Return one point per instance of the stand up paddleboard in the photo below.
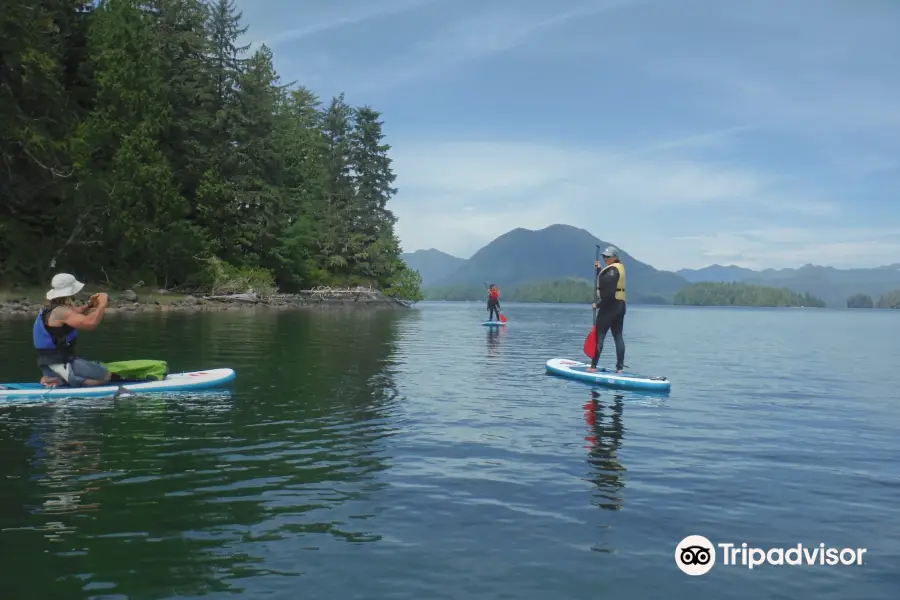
(174, 382)
(628, 381)
(493, 323)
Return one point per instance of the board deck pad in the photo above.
(574, 369)
(174, 382)
(494, 323)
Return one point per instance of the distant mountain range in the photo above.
(433, 265)
(832, 285)
(523, 256)
(560, 252)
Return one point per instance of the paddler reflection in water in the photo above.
(604, 440)
(611, 307)
(493, 339)
(56, 330)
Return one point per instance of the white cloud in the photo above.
(469, 38)
(821, 74)
(458, 196)
(300, 24)
(778, 247)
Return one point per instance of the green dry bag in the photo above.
(139, 370)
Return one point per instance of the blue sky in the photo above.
(686, 132)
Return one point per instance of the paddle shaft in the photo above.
(596, 282)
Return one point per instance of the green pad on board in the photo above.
(139, 370)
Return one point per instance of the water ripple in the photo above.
(418, 455)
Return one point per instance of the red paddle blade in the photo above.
(590, 343)
(503, 318)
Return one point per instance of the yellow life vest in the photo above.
(620, 289)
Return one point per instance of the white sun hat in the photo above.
(64, 285)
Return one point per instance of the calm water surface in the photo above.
(420, 455)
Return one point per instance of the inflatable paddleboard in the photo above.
(174, 382)
(629, 381)
(493, 323)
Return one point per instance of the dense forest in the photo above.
(742, 294)
(889, 300)
(575, 291)
(860, 301)
(141, 142)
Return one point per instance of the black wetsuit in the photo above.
(610, 316)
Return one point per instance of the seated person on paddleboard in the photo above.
(611, 307)
(493, 303)
(56, 330)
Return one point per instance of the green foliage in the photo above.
(222, 278)
(890, 300)
(138, 136)
(567, 291)
(742, 294)
(860, 301)
(406, 285)
(456, 293)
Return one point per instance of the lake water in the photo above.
(418, 455)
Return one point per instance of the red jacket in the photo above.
(495, 294)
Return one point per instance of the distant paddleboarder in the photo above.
(611, 306)
(493, 302)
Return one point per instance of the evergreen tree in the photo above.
(375, 249)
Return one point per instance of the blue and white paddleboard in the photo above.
(494, 323)
(629, 381)
(174, 382)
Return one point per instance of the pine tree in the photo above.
(377, 251)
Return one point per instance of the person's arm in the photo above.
(88, 321)
(80, 309)
(608, 282)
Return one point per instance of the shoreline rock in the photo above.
(129, 302)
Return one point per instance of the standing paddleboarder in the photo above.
(493, 302)
(611, 305)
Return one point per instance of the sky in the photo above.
(687, 133)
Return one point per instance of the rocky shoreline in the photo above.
(162, 301)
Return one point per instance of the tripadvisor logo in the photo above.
(696, 555)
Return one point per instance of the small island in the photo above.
(742, 294)
(890, 300)
(860, 301)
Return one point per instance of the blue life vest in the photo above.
(54, 345)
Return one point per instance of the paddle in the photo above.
(590, 342)
(502, 316)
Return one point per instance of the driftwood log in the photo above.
(250, 297)
(317, 295)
